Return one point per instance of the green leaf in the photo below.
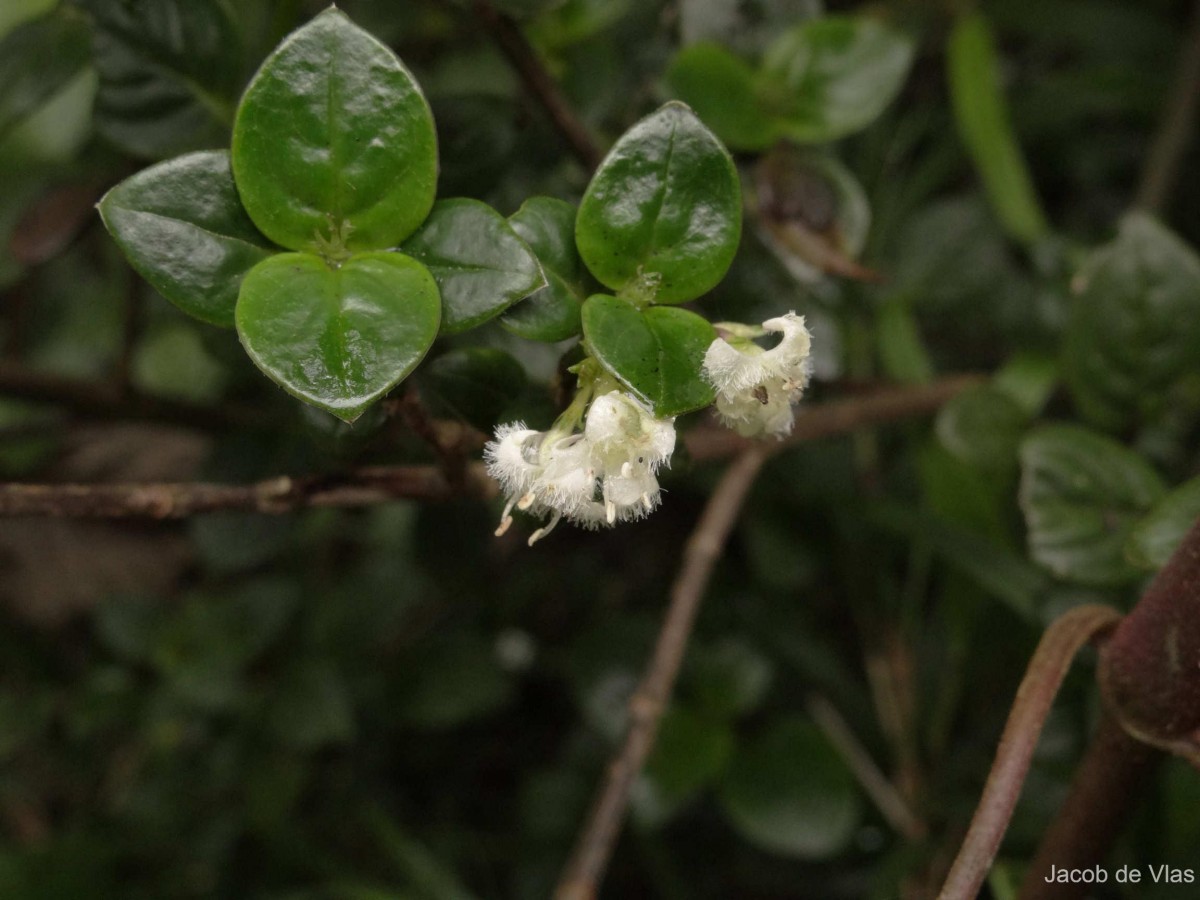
(1028, 379)
(981, 114)
(333, 145)
(657, 353)
(1155, 538)
(982, 426)
(183, 228)
(901, 349)
(480, 264)
(169, 72)
(338, 338)
(551, 314)
(37, 59)
(730, 678)
(789, 792)
(689, 754)
(477, 383)
(1082, 494)
(724, 92)
(1135, 324)
(663, 214)
(832, 76)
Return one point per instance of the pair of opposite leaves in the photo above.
(335, 159)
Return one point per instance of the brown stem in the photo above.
(523, 57)
(1177, 127)
(891, 804)
(582, 875)
(1062, 640)
(381, 484)
(443, 438)
(1102, 795)
(1150, 671)
(98, 400)
(361, 487)
(888, 404)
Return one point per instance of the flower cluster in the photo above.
(604, 475)
(757, 387)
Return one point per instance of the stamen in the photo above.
(546, 529)
(610, 511)
(527, 501)
(506, 519)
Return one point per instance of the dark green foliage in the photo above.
(389, 703)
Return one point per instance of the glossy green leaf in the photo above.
(338, 338)
(169, 73)
(37, 59)
(1135, 324)
(724, 92)
(1082, 494)
(981, 113)
(663, 214)
(1155, 537)
(480, 264)
(789, 792)
(476, 383)
(334, 146)
(832, 76)
(982, 426)
(551, 314)
(183, 228)
(657, 353)
(689, 754)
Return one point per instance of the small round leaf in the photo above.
(789, 792)
(334, 142)
(338, 338)
(1082, 494)
(833, 76)
(480, 265)
(657, 353)
(663, 213)
(1157, 536)
(183, 228)
(723, 90)
(547, 225)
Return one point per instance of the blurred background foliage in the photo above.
(389, 704)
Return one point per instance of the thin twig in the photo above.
(102, 401)
(1103, 791)
(446, 441)
(523, 57)
(888, 404)
(1177, 127)
(882, 792)
(1062, 640)
(381, 484)
(361, 487)
(583, 872)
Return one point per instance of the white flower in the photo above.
(755, 387)
(602, 476)
(629, 445)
